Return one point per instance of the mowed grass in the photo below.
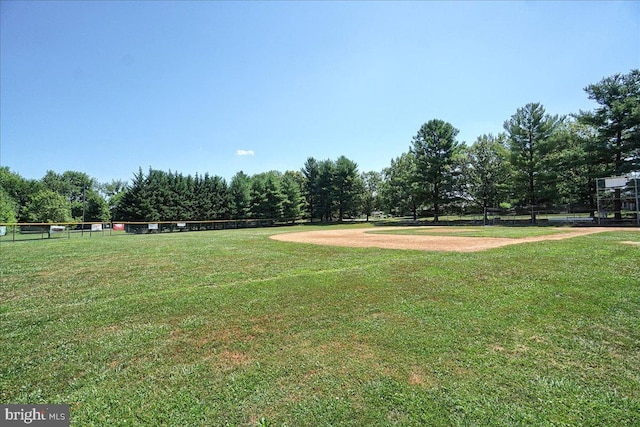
(232, 328)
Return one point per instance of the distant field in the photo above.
(233, 328)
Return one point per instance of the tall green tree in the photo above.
(529, 131)
(137, 204)
(96, 207)
(240, 196)
(82, 192)
(266, 195)
(617, 121)
(220, 197)
(347, 188)
(486, 172)
(436, 151)
(292, 191)
(575, 164)
(371, 195)
(311, 173)
(324, 190)
(48, 206)
(401, 190)
(210, 198)
(7, 207)
(18, 191)
(113, 192)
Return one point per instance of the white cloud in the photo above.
(245, 152)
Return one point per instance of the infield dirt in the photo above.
(366, 238)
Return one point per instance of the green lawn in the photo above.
(232, 328)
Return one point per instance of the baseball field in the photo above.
(327, 325)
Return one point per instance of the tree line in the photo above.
(539, 161)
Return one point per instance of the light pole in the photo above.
(84, 200)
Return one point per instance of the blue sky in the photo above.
(218, 87)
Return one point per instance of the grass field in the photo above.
(232, 328)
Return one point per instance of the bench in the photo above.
(572, 219)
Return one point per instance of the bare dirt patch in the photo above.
(362, 238)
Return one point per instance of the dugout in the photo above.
(618, 199)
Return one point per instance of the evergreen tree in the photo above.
(266, 196)
(575, 165)
(529, 131)
(240, 196)
(311, 174)
(324, 191)
(219, 197)
(401, 189)
(292, 192)
(346, 186)
(617, 122)
(436, 149)
(136, 201)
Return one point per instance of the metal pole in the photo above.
(84, 199)
(635, 181)
(598, 197)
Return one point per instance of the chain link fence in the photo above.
(15, 232)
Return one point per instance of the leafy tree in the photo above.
(96, 207)
(7, 207)
(48, 206)
(113, 192)
(436, 150)
(617, 122)
(56, 182)
(372, 183)
(19, 191)
(82, 192)
(529, 131)
(486, 171)
(575, 165)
